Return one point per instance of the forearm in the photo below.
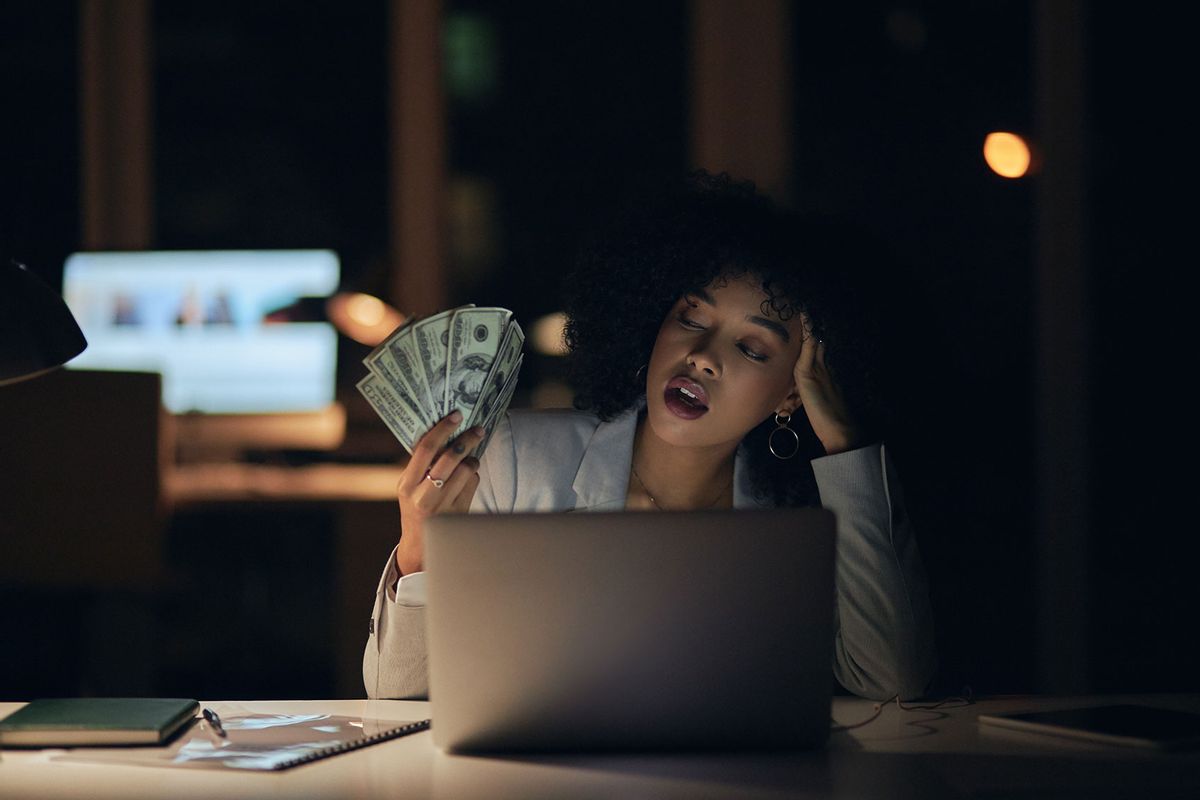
(883, 642)
(395, 660)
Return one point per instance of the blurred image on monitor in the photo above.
(203, 319)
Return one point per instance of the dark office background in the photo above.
(270, 131)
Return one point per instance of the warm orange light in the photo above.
(1007, 154)
(547, 334)
(365, 319)
(365, 309)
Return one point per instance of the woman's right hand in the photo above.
(439, 479)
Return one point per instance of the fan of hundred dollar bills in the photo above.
(466, 358)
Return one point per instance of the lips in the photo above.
(685, 398)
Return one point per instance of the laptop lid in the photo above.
(636, 630)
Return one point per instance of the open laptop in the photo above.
(642, 630)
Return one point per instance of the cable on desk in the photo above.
(877, 708)
(967, 698)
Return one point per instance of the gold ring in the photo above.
(438, 482)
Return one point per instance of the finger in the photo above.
(450, 457)
(456, 483)
(462, 503)
(820, 352)
(428, 448)
(808, 353)
(806, 324)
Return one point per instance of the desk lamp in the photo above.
(37, 331)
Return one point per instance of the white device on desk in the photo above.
(1123, 724)
(631, 630)
(236, 374)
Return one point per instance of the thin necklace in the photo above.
(645, 489)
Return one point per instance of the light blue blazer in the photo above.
(564, 460)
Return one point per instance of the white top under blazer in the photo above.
(563, 460)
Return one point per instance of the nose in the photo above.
(704, 360)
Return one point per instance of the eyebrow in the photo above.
(762, 322)
(770, 325)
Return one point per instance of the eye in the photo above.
(750, 354)
(682, 319)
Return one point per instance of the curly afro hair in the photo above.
(710, 229)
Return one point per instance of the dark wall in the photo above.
(587, 101)
(892, 107)
(1143, 254)
(271, 129)
(39, 142)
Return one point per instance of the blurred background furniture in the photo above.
(123, 572)
(277, 566)
(81, 530)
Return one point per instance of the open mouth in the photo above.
(685, 398)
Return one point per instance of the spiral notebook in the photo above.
(257, 742)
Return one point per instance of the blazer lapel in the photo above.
(602, 482)
(743, 492)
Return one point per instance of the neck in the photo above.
(680, 478)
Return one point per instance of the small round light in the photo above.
(365, 309)
(365, 319)
(547, 334)
(1007, 154)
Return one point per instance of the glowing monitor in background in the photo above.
(201, 319)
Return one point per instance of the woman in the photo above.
(699, 332)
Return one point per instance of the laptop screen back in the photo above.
(630, 630)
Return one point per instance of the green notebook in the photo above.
(82, 721)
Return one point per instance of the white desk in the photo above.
(918, 755)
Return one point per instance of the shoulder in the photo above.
(533, 458)
(558, 430)
(551, 441)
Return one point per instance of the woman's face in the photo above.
(720, 366)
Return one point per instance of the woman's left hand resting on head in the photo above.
(821, 399)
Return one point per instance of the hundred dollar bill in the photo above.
(403, 353)
(432, 339)
(383, 362)
(387, 405)
(401, 348)
(507, 359)
(465, 358)
(498, 410)
(476, 336)
(382, 347)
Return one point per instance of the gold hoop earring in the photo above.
(782, 420)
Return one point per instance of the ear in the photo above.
(791, 403)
